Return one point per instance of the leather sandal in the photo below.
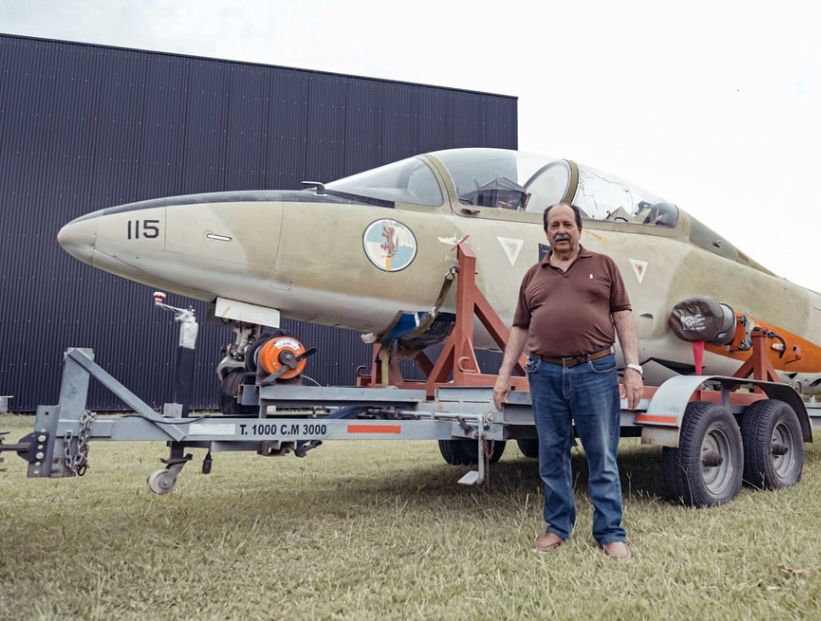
(617, 550)
(547, 542)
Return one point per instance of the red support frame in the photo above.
(457, 364)
(758, 364)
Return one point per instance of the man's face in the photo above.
(562, 233)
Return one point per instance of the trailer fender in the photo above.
(661, 422)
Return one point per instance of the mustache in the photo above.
(562, 237)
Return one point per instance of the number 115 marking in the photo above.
(149, 229)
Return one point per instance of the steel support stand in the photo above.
(457, 363)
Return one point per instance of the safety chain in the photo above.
(76, 453)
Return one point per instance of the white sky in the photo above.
(713, 105)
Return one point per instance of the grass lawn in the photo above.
(372, 530)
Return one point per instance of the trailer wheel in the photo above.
(707, 467)
(162, 481)
(529, 447)
(773, 445)
(464, 452)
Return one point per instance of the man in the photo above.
(569, 304)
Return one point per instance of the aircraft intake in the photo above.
(703, 319)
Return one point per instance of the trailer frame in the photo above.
(454, 404)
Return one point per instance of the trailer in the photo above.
(716, 430)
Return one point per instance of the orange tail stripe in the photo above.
(374, 429)
(652, 418)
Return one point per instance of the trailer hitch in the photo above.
(31, 447)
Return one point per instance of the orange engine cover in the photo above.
(281, 356)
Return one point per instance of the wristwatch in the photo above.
(636, 367)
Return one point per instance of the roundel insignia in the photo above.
(389, 244)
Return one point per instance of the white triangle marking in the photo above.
(639, 268)
(512, 248)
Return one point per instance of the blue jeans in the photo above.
(586, 395)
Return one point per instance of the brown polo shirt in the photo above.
(570, 313)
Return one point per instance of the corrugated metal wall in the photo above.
(84, 127)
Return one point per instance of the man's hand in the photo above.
(628, 338)
(633, 387)
(500, 393)
(515, 346)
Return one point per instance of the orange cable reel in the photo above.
(282, 357)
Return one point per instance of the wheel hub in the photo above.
(782, 449)
(716, 468)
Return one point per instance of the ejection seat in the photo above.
(659, 214)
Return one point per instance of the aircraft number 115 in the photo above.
(147, 229)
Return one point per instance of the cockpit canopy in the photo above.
(504, 179)
(528, 182)
(406, 181)
(498, 182)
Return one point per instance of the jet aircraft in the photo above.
(356, 251)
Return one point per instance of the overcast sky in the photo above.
(713, 105)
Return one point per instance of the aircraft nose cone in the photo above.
(78, 238)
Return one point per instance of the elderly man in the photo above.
(569, 305)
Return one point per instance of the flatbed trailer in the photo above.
(715, 430)
(297, 419)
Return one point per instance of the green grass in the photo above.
(371, 530)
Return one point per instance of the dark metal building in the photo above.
(83, 127)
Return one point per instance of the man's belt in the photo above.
(572, 361)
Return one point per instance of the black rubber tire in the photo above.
(452, 452)
(529, 447)
(709, 431)
(228, 395)
(464, 452)
(767, 428)
(251, 350)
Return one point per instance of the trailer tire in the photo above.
(464, 452)
(529, 447)
(773, 445)
(707, 467)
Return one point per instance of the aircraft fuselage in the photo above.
(351, 260)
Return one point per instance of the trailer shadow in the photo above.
(640, 469)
